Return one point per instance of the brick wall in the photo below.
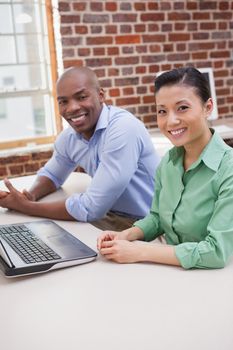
(127, 42)
(24, 164)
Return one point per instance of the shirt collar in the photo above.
(211, 155)
(103, 118)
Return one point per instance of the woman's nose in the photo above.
(173, 119)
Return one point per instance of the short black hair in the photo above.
(189, 76)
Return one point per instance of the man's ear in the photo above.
(208, 107)
(102, 95)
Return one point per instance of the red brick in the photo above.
(223, 15)
(126, 81)
(127, 49)
(149, 99)
(127, 71)
(166, 27)
(125, 6)
(127, 101)
(222, 25)
(153, 38)
(63, 6)
(178, 57)
(84, 51)
(96, 29)
(165, 6)
(179, 37)
(111, 29)
(99, 51)
(199, 55)
(153, 27)
(140, 28)
(79, 6)
(181, 47)
(67, 53)
(153, 59)
(71, 41)
(152, 6)
(220, 54)
(179, 16)
(126, 28)
(138, 6)
(111, 6)
(152, 17)
(113, 71)
(70, 19)
(180, 26)
(198, 16)
(127, 39)
(98, 62)
(99, 40)
(16, 169)
(140, 70)
(73, 63)
(81, 29)
(114, 92)
(31, 167)
(126, 60)
(200, 36)
(113, 51)
(141, 49)
(124, 17)
(128, 91)
(155, 48)
(221, 73)
(96, 6)
(208, 25)
(3, 172)
(207, 5)
(66, 30)
(166, 67)
(191, 5)
(100, 18)
(99, 72)
(178, 5)
(223, 5)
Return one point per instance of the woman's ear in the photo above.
(208, 107)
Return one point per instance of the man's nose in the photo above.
(72, 105)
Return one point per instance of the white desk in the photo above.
(108, 306)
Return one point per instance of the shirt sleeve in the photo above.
(150, 225)
(216, 249)
(59, 166)
(118, 163)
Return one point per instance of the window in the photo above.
(28, 71)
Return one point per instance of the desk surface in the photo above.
(109, 306)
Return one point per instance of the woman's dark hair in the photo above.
(188, 76)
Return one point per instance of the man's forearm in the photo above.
(41, 187)
(51, 210)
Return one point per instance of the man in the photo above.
(110, 144)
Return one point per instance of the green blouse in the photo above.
(194, 208)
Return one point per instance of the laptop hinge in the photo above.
(5, 256)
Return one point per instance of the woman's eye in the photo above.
(161, 112)
(183, 108)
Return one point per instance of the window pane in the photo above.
(27, 18)
(7, 49)
(29, 48)
(23, 77)
(33, 120)
(6, 25)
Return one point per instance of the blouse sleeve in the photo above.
(217, 247)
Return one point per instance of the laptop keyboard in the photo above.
(27, 245)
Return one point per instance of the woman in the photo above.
(193, 201)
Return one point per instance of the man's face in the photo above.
(80, 102)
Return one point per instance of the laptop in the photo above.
(39, 246)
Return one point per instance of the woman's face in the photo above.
(181, 115)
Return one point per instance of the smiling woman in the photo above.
(27, 74)
(192, 208)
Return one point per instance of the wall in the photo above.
(127, 42)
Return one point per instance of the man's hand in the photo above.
(13, 199)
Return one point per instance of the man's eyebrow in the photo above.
(76, 93)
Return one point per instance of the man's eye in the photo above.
(82, 97)
(61, 102)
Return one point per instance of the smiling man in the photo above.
(110, 144)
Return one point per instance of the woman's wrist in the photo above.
(133, 233)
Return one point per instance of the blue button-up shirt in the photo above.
(119, 157)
